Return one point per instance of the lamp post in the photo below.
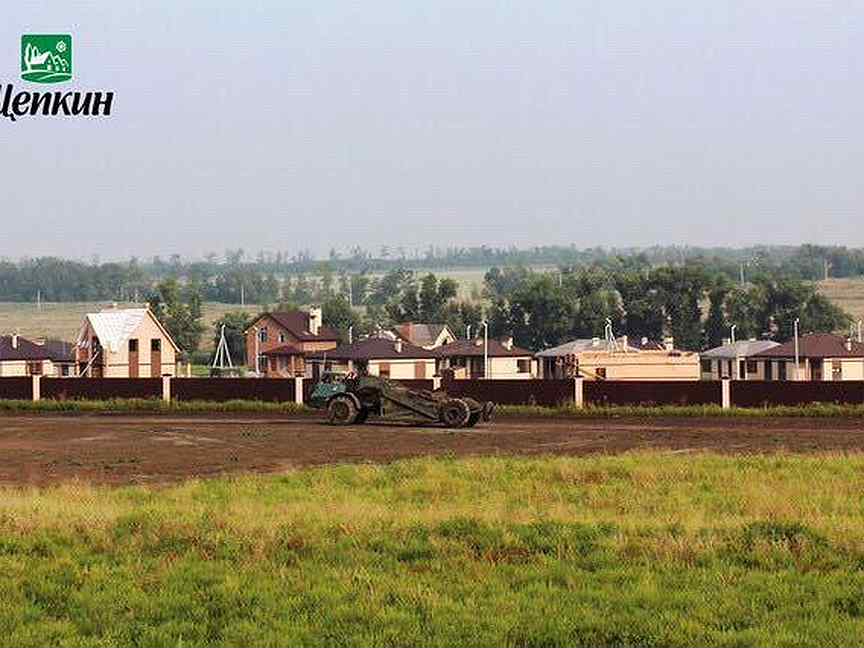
(734, 326)
(797, 352)
(859, 332)
(257, 354)
(485, 349)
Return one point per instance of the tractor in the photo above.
(350, 399)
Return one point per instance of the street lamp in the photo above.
(734, 326)
(485, 349)
(797, 352)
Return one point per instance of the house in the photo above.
(735, 360)
(428, 336)
(822, 356)
(467, 358)
(278, 341)
(22, 357)
(125, 343)
(596, 359)
(377, 356)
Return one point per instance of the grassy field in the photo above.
(642, 549)
(846, 293)
(62, 321)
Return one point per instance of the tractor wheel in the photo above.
(455, 413)
(342, 410)
(488, 411)
(473, 419)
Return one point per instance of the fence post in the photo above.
(298, 390)
(726, 390)
(579, 392)
(37, 388)
(436, 383)
(166, 389)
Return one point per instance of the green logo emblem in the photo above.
(46, 58)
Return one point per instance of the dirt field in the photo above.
(127, 449)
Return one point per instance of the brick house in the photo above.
(376, 356)
(277, 343)
(125, 343)
(822, 356)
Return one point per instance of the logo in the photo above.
(46, 58)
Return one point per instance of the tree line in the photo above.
(235, 277)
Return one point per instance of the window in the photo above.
(281, 338)
(34, 368)
(751, 367)
(836, 370)
(384, 370)
(781, 370)
(133, 346)
(769, 370)
(155, 345)
(523, 366)
(262, 334)
(706, 366)
(601, 373)
(64, 370)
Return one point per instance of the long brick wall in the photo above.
(514, 392)
(100, 388)
(762, 394)
(274, 390)
(16, 388)
(505, 392)
(648, 393)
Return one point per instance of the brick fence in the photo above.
(547, 393)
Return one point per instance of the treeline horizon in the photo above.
(235, 276)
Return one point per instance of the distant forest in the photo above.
(267, 277)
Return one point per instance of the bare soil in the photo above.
(41, 450)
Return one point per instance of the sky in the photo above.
(287, 126)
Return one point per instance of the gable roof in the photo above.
(26, 350)
(580, 345)
(297, 323)
(475, 347)
(817, 345)
(374, 349)
(421, 334)
(115, 326)
(741, 349)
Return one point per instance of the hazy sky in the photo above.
(285, 125)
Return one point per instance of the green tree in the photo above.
(180, 313)
(338, 314)
(716, 325)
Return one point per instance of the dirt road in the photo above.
(157, 449)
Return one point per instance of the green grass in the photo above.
(156, 406)
(643, 549)
(148, 406)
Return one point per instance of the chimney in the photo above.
(315, 317)
(848, 344)
(398, 345)
(669, 343)
(727, 341)
(595, 342)
(408, 327)
(507, 343)
(14, 340)
(624, 341)
(644, 341)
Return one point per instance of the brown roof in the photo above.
(373, 349)
(297, 323)
(465, 348)
(26, 350)
(816, 345)
(284, 350)
(420, 334)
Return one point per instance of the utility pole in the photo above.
(827, 268)
(242, 295)
(797, 353)
(485, 349)
(859, 332)
(742, 273)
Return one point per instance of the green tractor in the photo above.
(351, 399)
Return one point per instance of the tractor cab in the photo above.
(330, 384)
